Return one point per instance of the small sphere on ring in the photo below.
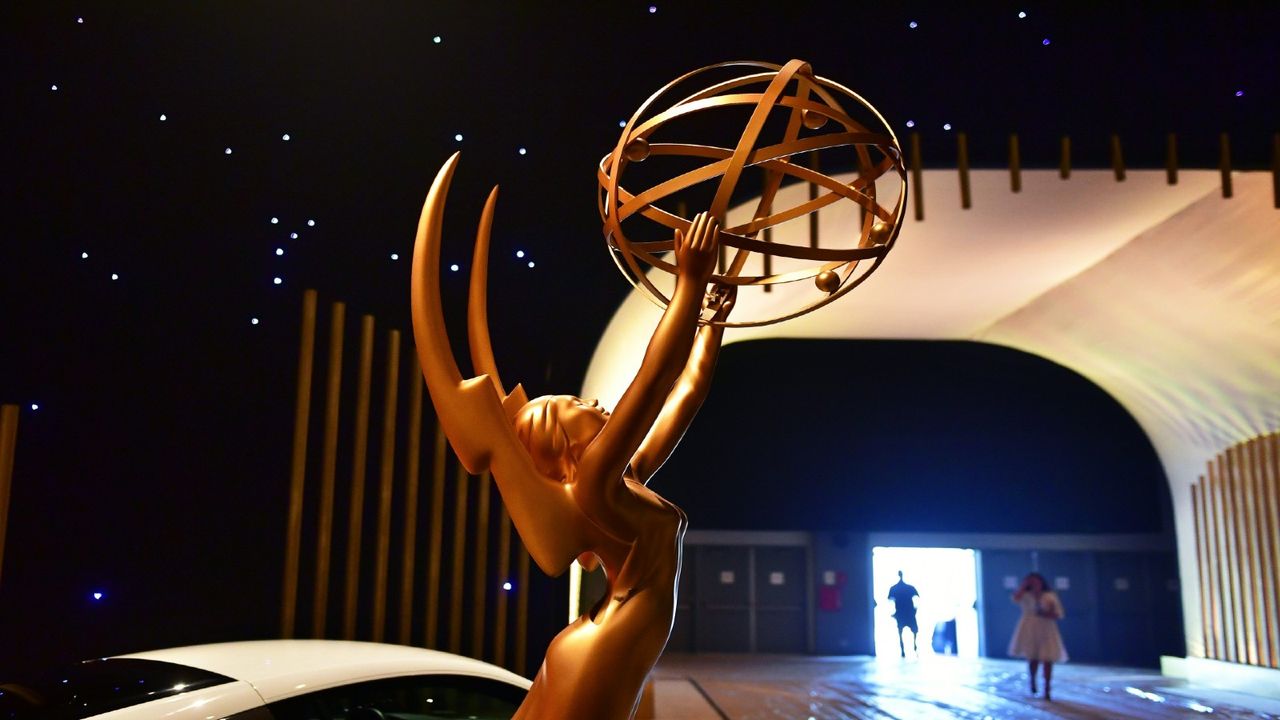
(637, 150)
(828, 281)
(813, 120)
(880, 233)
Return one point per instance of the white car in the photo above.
(273, 680)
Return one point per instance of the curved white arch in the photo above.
(1167, 297)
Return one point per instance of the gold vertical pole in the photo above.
(298, 466)
(1275, 169)
(459, 558)
(1233, 559)
(962, 163)
(328, 472)
(1117, 158)
(386, 486)
(1244, 570)
(1264, 607)
(1197, 507)
(504, 570)
(1224, 163)
(1064, 161)
(435, 543)
(8, 448)
(480, 594)
(813, 195)
(360, 448)
(1171, 159)
(1222, 554)
(1212, 550)
(1271, 460)
(1015, 164)
(917, 177)
(411, 465)
(522, 612)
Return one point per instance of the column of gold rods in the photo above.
(1236, 515)
(486, 570)
(360, 447)
(298, 467)
(8, 449)
(382, 555)
(328, 472)
(410, 544)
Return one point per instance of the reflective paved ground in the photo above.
(737, 687)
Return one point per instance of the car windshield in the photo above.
(98, 686)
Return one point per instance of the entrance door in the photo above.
(722, 621)
(780, 618)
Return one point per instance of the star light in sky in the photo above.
(226, 151)
(454, 267)
(279, 251)
(946, 126)
(519, 253)
(911, 123)
(285, 137)
(53, 88)
(436, 39)
(311, 223)
(163, 117)
(84, 256)
(293, 236)
(115, 276)
(395, 256)
(253, 321)
(458, 137)
(1022, 15)
(913, 25)
(35, 406)
(275, 221)
(523, 151)
(277, 281)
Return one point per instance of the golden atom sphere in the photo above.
(774, 126)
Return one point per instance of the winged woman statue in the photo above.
(572, 475)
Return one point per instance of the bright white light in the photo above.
(946, 126)
(97, 596)
(530, 263)
(35, 406)
(911, 123)
(253, 321)
(275, 221)
(180, 686)
(84, 256)
(454, 267)
(912, 25)
(115, 276)
(285, 137)
(1022, 15)
(226, 151)
(506, 586)
(1239, 93)
(395, 256)
(277, 281)
(948, 584)
(1044, 41)
(523, 151)
(163, 117)
(293, 236)
(458, 137)
(622, 123)
(436, 39)
(53, 88)
(519, 253)
(80, 21)
(653, 9)
(279, 252)
(1199, 708)
(311, 223)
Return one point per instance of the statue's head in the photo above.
(555, 429)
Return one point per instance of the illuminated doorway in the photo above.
(947, 581)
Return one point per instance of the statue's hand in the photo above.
(720, 300)
(696, 251)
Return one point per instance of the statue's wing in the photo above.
(478, 314)
(471, 411)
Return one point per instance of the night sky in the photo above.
(166, 163)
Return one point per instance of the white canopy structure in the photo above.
(1166, 296)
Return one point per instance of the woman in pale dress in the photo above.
(1036, 638)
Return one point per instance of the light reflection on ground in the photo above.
(766, 687)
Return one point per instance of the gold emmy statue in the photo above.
(572, 475)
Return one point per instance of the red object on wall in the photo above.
(830, 598)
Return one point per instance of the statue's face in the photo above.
(582, 420)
